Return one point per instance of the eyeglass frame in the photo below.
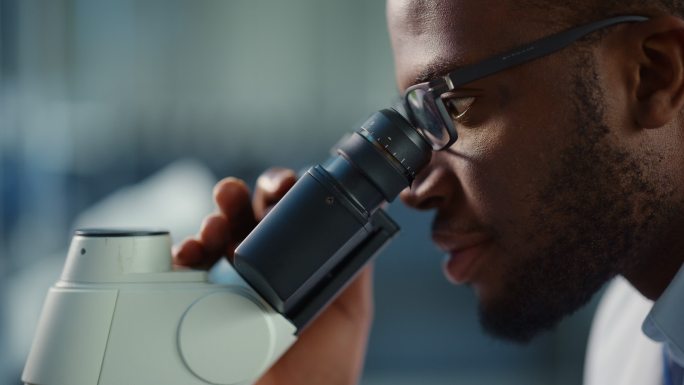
(469, 73)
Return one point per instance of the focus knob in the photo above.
(227, 327)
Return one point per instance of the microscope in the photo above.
(120, 314)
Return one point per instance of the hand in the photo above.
(331, 349)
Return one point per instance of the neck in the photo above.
(654, 276)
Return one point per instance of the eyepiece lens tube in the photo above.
(330, 224)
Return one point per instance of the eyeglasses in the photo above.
(423, 103)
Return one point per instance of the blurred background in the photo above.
(126, 112)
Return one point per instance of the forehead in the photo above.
(434, 36)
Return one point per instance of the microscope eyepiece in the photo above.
(329, 224)
(388, 151)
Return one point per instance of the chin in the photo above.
(510, 313)
(512, 324)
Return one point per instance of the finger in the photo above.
(270, 187)
(232, 198)
(214, 236)
(190, 253)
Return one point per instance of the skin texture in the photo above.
(567, 171)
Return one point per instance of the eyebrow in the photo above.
(434, 70)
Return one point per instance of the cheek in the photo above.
(505, 163)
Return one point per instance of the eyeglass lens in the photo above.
(427, 116)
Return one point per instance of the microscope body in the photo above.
(120, 314)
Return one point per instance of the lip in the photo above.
(464, 255)
(461, 266)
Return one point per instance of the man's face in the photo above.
(541, 200)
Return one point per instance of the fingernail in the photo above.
(269, 183)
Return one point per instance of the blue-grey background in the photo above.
(96, 95)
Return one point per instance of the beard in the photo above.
(603, 211)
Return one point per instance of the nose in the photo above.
(432, 188)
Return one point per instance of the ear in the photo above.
(657, 94)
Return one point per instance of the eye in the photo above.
(458, 106)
